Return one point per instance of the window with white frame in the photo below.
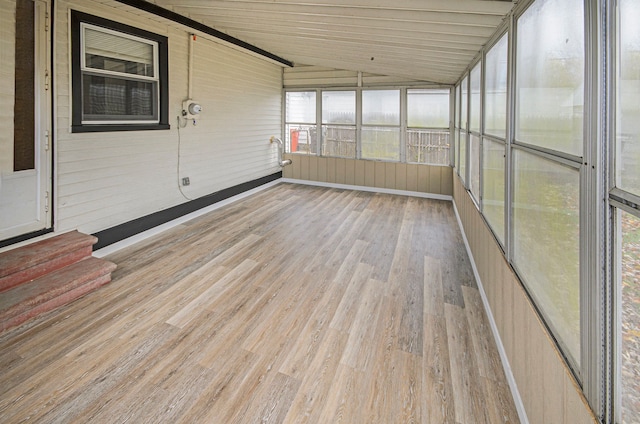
(464, 138)
(546, 164)
(381, 124)
(339, 124)
(427, 135)
(625, 197)
(494, 136)
(474, 130)
(119, 76)
(300, 122)
(581, 270)
(370, 123)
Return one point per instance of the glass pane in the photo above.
(628, 107)
(118, 99)
(428, 146)
(550, 75)
(546, 242)
(115, 53)
(339, 107)
(428, 108)
(301, 107)
(474, 166)
(457, 110)
(381, 143)
(381, 107)
(493, 168)
(463, 103)
(463, 157)
(474, 105)
(630, 319)
(495, 92)
(339, 141)
(24, 100)
(301, 139)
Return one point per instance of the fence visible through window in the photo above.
(339, 141)
(428, 146)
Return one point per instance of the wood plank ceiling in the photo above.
(429, 40)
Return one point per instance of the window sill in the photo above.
(123, 127)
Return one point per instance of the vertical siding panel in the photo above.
(295, 166)
(304, 167)
(341, 171)
(350, 172)
(553, 373)
(508, 302)
(401, 176)
(390, 175)
(290, 171)
(435, 180)
(497, 305)
(446, 175)
(331, 170)
(313, 168)
(360, 172)
(379, 174)
(494, 276)
(322, 169)
(369, 173)
(520, 343)
(423, 178)
(535, 369)
(575, 410)
(412, 177)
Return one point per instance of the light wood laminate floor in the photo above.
(295, 305)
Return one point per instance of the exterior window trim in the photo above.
(78, 21)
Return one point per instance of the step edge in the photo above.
(25, 275)
(98, 268)
(50, 305)
(78, 241)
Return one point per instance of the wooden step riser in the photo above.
(54, 303)
(30, 295)
(44, 268)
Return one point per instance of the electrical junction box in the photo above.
(191, 109)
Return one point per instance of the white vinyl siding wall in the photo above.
(108, 178)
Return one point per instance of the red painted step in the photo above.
(48, 292)
(37, 259)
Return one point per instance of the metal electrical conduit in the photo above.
(285, 162)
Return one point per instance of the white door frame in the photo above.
(25, 196)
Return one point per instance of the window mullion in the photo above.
(359, 123)
(403, 125)
(319, 133)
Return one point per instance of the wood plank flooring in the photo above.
(296, 305)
